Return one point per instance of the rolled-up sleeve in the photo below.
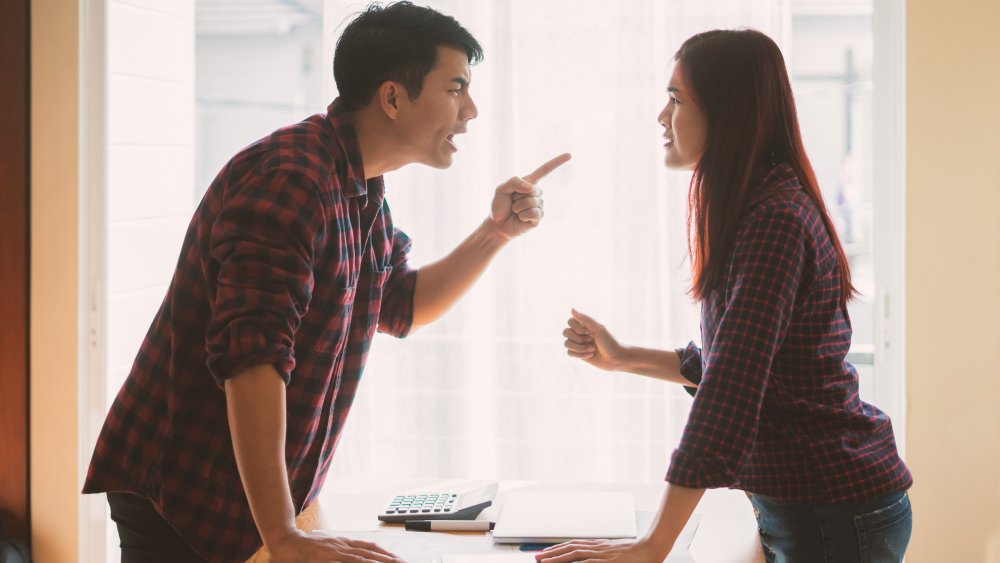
(263, 242)
(763, 277)
(690, 358)
(396, 316)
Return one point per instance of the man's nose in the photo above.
(470, 111)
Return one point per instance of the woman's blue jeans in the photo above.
(853, 532)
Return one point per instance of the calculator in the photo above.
(443, 505)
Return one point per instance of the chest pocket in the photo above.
(368, 299)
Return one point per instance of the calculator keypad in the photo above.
(422, 504)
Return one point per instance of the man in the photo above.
(226, 425)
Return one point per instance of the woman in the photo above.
(776, 411)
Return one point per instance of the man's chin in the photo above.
(441, 163)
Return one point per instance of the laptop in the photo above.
(553, 517)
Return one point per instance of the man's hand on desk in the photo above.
(303, 547)
(630, 551)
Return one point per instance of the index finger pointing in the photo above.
(544, 170)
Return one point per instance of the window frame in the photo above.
(889, 146)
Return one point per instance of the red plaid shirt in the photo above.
(290, 260)
(777, 410)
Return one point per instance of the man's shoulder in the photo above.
(308, 148)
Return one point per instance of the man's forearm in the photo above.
(255, 399)
(442, 283)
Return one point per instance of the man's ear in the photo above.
(389, 95)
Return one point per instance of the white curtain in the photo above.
(488, 391)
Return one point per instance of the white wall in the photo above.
(149, 175)
(150, 164)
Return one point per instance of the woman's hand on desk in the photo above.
(633, 551)
(303, 547)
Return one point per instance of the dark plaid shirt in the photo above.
(777, 410)
(290, 260)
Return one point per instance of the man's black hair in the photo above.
(398, 42)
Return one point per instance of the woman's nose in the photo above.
(664, 117)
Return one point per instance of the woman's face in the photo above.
(685, 126)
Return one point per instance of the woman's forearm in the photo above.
(675, 510)
(650, 362)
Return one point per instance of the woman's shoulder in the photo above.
(778, 182)
(779, 195)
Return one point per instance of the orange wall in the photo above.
(55, 200)
(953, 278)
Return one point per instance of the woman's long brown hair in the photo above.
(738, 79)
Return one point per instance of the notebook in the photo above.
(536, 517)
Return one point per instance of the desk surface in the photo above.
(727, 532)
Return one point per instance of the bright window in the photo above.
(488, 390)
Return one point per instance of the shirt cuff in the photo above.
(696, 472)
(396, 316)
(690, 357)
(248, 346)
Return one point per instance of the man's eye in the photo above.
(674, 100)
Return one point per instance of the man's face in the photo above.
(427, 126)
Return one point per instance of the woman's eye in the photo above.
(674, 100)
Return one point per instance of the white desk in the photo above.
(727, 532)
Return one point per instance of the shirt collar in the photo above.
(780, 177)
(355, 183)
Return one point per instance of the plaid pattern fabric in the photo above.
(777, 410)
(290, 260)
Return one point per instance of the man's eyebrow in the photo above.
(673, 89)
(461, 80)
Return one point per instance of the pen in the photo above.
(535, 546)
(448, 525)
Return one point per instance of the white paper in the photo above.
(427, 547)
(513, 557)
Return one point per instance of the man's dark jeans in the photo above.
(145, 536)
